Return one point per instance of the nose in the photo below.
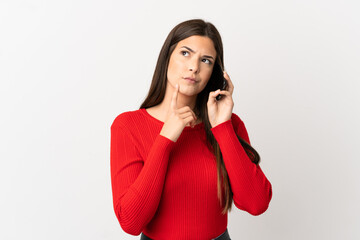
(194, 65)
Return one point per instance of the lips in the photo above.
(190, 79)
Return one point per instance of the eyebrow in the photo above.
(206, 56)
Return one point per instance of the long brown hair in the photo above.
(158, 87)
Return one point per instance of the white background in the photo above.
(68, 68)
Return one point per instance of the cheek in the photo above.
(170, 71)
(207, 75)
(173, 68)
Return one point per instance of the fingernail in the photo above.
(177, 85)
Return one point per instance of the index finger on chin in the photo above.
(173, 103)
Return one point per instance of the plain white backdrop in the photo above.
(68, 68)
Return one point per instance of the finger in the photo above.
(224, 92)
(224, 95)
(214, 94)
(230, 83)
(190, 120)
(173, 103)
(186, 109)
(186, 114)
(212, 98)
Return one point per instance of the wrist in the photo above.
(215, 124)
(169, 135)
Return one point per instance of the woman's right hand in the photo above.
(177, 118)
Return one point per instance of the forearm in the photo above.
(137, 188)
(251, 189)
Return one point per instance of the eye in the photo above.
(207, 61)
(185, 53)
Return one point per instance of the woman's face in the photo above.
(191, 64)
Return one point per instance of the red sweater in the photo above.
(168, 190)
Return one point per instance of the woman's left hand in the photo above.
(220, 111)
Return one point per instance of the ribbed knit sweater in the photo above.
(168, 190)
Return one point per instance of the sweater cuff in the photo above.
(164, 142)
(225, 127)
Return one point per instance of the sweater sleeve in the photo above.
(137, 183)
(251, 189)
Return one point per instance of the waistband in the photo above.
(224, 236)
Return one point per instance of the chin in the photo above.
(185, 90)
(187, 93)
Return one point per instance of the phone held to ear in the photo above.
(218, 97)
(224, 81)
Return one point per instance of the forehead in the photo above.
(201, 44)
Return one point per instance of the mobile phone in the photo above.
(224, 85)
(221, 82)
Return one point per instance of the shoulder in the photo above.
(126, 119)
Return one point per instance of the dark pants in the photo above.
(224, 236)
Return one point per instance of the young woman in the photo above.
(181, 160)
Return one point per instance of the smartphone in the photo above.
(221, 82)
(224, 85)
